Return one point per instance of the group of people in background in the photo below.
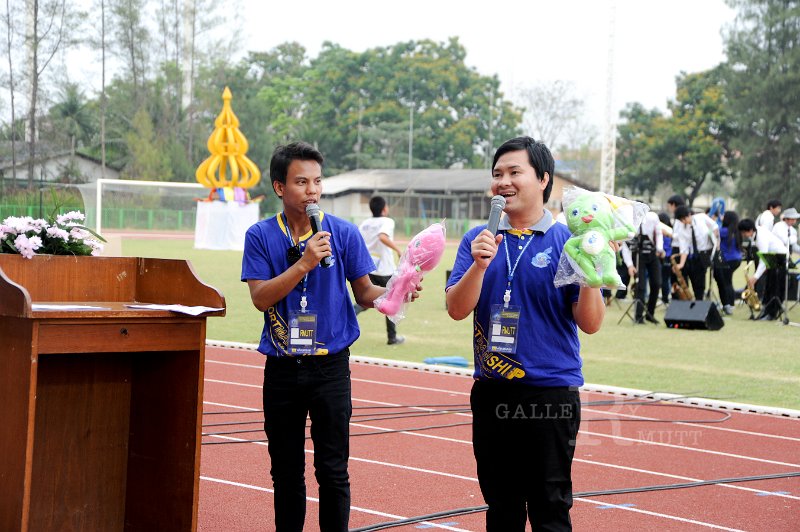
(677, 252)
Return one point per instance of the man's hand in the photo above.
(484, 248)
(317, 248)
(414, 294)
(632, 271)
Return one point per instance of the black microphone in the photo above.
(312, 211)
(498, 204)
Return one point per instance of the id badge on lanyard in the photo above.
(302, 333)
(504, 329)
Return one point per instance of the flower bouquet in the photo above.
(63, 234)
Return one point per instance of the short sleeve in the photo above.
(256, 263)
(358, 261)
(387, 227)
(463, 260)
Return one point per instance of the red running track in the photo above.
(624, 443)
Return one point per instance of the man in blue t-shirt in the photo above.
(309, 325)
(525, 403)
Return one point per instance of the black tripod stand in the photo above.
(636, 300)
(797, 288)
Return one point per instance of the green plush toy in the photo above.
(591, 220)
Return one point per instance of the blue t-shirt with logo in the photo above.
(265, 247)
(548, 349)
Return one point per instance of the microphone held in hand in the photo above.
(498, 204)
(312, 211)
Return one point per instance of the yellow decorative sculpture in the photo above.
(227, 146)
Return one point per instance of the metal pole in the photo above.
(410, 134)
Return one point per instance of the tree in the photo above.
(147, 161)
(49, 29)
(552, 110)
(10, 23)
(454, 109)
(132, 42)
(687, 148)
(71, 117)
(762, 75)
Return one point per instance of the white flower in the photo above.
(57, 232)
(27, 247)
(71, 218)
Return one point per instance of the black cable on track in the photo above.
(583, 495)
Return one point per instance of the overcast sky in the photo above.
(522, 41)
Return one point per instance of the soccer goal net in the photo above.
(141, 205)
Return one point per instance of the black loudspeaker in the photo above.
(693, 315)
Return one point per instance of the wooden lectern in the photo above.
(100, 408)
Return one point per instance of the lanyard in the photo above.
(507, 295)
(303, 302)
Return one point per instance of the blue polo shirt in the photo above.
(265, 247)
(548, 349)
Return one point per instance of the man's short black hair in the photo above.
(677, 200)
(771, 204)
(283, 156)
(682, 212)
(376, 205)
(746, 224)
(539, 157)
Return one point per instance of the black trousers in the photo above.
(723, 274)
(773, 291)
(319, 387)
(666, 279)
(695, 273)
(648, 272)
(382, 280)
(524, 442)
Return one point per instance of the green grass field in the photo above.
(746, 361)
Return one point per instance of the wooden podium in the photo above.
(100, 409)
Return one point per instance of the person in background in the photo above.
(767, 218)
(378, 233)
(309, 326)
(766, 242)
(731, 254)
(697, 239)
(526, 346)
(666, 267)
(645, 265)
(786, 230)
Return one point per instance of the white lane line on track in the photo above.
(686, 479)
(683, 447)
(656, 514)
(235, 407)
(314, 499)
(468, 442)
(584, 409)
(611, 436)
(705, 426)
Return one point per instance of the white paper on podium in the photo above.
(223, 224)
(183, 309)
(64, 306)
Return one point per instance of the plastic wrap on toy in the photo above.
(421, 256)
(595, 219)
